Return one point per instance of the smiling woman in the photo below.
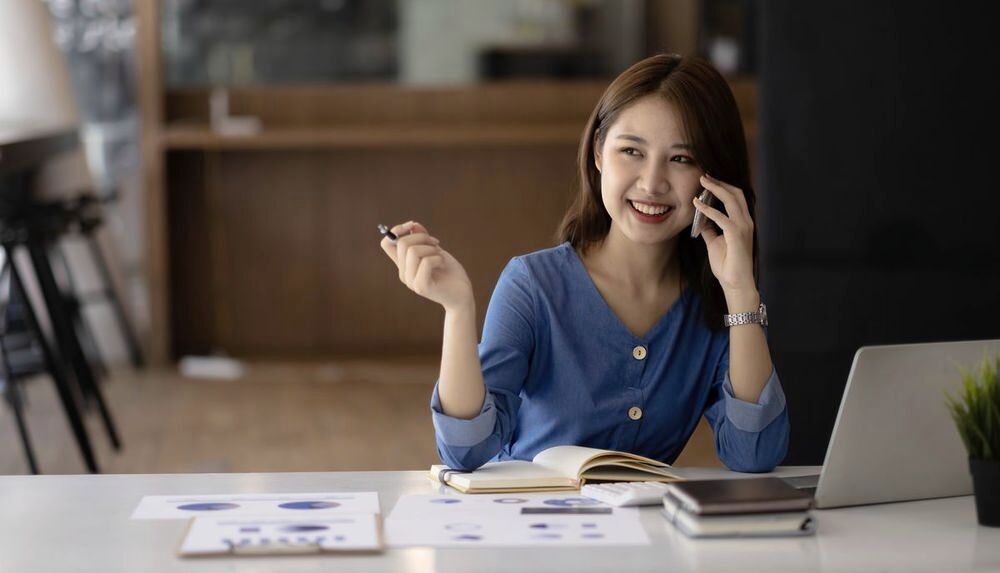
(614, 339)
(656, 117)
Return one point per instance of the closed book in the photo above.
(780, 524)
(559, 468)
(733, 496)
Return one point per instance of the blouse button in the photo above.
(639, 352)
(635, 412)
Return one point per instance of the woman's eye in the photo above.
(683, 159)
(630, 151)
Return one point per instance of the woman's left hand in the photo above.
(730, 254)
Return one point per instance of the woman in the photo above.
(615, 339)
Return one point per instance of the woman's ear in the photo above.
(597, 155)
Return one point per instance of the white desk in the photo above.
(81, 523)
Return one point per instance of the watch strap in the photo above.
(757, 317)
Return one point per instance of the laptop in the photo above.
(894, 439)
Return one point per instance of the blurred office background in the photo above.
(243, 153)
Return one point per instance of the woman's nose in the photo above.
(653, 178)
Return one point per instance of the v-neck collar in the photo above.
(586, 279)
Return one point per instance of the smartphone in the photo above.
(700, 220)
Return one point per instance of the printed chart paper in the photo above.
(259, 505)
(453, 503)
(494, 531)
(506, 520)
(235, 535)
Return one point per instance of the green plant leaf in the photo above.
(976, 409)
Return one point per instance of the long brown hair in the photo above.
(711, 122)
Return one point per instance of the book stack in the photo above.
(752, 507)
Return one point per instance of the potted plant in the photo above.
(976, 411)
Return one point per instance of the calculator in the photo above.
(624, 494)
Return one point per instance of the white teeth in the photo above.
(647, 209)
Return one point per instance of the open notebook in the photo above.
(555, 469)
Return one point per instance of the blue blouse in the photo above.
(561, 368)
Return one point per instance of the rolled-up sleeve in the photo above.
(505, 356)
(460, 432)
(749, 437)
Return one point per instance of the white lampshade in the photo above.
(36, 91)
(35, 86)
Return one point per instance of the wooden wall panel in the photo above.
(192, 317)
(296, 269)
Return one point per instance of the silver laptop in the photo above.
(894, 439)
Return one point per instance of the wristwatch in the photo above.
(759, 317)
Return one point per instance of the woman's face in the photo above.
(649, 175)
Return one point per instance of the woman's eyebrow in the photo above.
(638, 139)
(631, 137)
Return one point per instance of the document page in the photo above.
(510, 520)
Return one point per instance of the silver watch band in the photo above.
(758, 317)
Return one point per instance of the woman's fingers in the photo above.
(414, 255)
(405, 244)
(397, 251)
(410, 234)
(422, 279)
(389, 247)
(709, 234)
(407, 228)
(402, 231)
(731, 197)
(715, 215)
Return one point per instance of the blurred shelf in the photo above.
(353, 137)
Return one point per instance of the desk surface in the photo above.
(81, 523)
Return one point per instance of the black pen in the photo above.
(387, 233)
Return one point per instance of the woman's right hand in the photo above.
(426, 268)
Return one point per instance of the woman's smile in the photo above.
(649, 212)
